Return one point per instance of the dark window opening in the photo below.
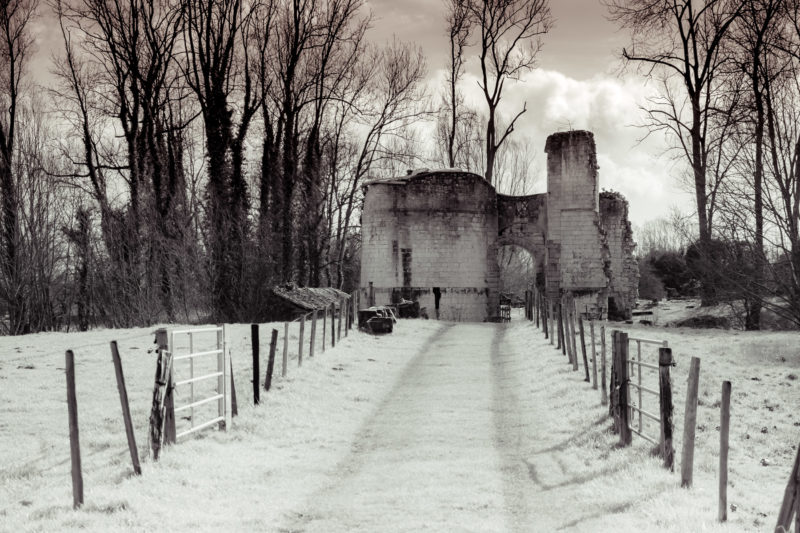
(406, 256)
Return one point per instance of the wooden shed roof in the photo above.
(309, 298)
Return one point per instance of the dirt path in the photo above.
(443, 451)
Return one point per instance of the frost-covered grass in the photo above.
(765, 429)
(243, 479)
(486, 429)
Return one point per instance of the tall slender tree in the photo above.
(682, 41)
(16, 44)
(509, 40)
(217, 65)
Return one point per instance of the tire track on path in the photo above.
(426, 459)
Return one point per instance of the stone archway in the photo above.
(442, 229)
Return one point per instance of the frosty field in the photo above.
(437, 427)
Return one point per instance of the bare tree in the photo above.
(394, 97)
(458, 29)
(682, 41)
(509, 41)
(216, 34)
(123, 74)
(16, 42)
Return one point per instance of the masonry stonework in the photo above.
(433, 236)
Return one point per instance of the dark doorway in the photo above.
(437, 296)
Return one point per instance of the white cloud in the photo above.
(608, 107)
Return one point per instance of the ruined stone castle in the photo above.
(433, 237)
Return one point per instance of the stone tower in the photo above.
(432, 236)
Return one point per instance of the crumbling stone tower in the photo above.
(433, 236)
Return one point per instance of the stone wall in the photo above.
(440, 230)
(434, 230)
(621, 265)
(572, 227)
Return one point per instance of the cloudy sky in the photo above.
(577, 86)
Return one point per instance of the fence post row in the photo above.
(126, 410)
(665, 406)
(74, 438)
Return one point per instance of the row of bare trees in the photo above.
(191, 154)
(727, 92)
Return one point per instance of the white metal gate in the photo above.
(201, 360)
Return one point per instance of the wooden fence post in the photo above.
(126, 409)
(603, 390)
(724, 430)
(622, 383)
(371, 295)
(689, 424)
(333, 325)
(552, 311)
(256, 364)
(665, 406)
(300, 342)
(285, 348)
(575, 335)
(583, 348)
(271, 361)
(163, 369)
(613, 393)
(162, 340)
(570, 327)
(544, 318)
(346, 310)
(313, 333)
(559, 342)
(527, 304)
(324, 326)
(74, 438)
(341, 312)
(791, 499)
(234, 403)
(594, 355)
